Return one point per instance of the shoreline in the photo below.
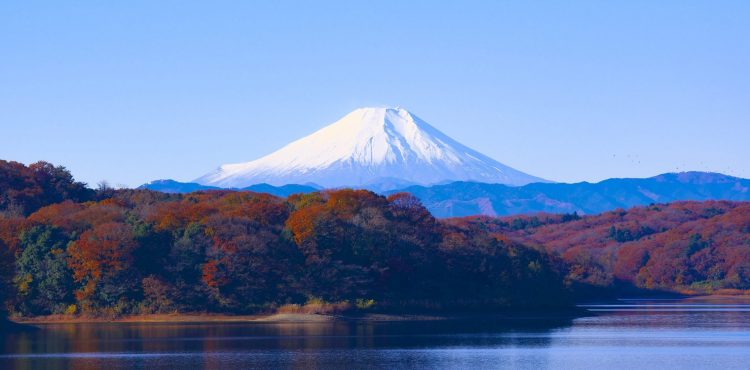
(285, 317)
(296, 317)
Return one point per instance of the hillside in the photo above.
(142, 252)
(133, 251)
(683, 246)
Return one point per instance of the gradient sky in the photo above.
(133, 91)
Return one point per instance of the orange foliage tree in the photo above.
(102, 260)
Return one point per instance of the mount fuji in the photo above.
(378, 148)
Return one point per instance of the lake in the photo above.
(627, 334)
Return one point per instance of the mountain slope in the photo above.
(366, 148)
(695, 247)
(471, 198)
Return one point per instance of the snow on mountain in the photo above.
(370, 147)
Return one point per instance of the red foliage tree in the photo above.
(102, 253)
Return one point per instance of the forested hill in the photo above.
(139, 251)
(65, 248)
(692, 247)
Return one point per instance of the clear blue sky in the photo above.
(133, 91)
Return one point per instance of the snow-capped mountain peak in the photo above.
(365, 147)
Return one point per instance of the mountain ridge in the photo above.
(172, 186)
(458, 199)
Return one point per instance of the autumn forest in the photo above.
(69, 249)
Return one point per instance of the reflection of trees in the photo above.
(294, 345)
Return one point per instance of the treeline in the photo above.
(690, 247)
(69, 249)
(65, 248)
(25, 189)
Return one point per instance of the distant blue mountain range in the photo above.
(459, 199)
(172, 186)
(470, 198)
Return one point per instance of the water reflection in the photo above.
(222, 345)
(623, 335)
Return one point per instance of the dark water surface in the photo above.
(630, 334)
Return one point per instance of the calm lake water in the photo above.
(630, 334)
